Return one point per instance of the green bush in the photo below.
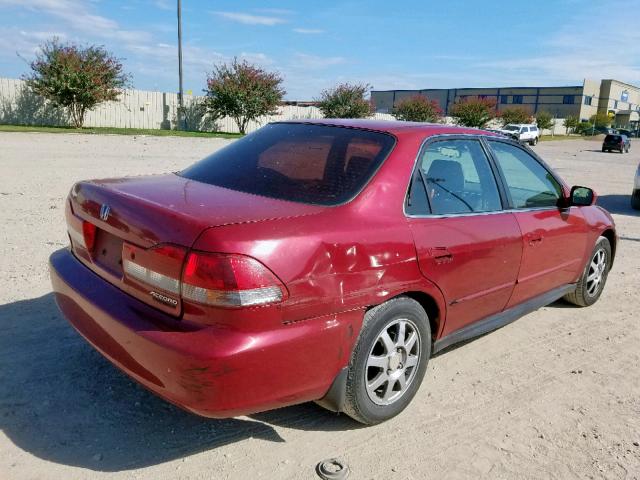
(473, 112)
(76, 78)
(544, 120)
(601, 119)
(345, 101)
(417, 108)
(571, 123)
(584, 128)
(243, 92)
(514, 115)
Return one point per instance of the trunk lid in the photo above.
(147, 211)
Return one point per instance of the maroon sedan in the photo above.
(323, 261)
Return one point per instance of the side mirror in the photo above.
(582, 196)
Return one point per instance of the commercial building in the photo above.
(620, 100)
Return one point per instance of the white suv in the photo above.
(523, 132)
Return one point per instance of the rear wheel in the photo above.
(389, 361)
(534, 141)
(594, 277)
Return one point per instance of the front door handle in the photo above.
(441, 255)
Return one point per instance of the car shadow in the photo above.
(63, 402)
(618, 204)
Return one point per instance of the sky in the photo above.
(317, 44)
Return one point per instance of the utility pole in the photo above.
(181, 90)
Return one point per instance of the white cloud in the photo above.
(275, 11)
(250, 19)
(259, 58)
(315, 62)
(308, 31)
(164, 4)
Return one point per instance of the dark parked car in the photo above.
(617, 142)
(324, 260)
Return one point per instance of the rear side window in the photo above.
(458, 178)
(316, 164)
(529, 183)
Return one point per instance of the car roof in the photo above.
(395, 127)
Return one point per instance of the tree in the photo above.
(571, 123)
(601, 119)
(243, 92)
(544, 120)
(473, 112)
(514, 115)
(76, 78)
(345, 101)
(417, 108)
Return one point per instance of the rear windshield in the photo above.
(612, 138)
(316, 164)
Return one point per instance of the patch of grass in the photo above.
(118, 131)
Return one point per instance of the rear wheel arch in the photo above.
(430, 306)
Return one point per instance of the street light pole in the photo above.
(181, 91)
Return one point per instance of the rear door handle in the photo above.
(535, 239)
(441, 255)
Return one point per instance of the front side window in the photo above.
(458, 178)
(318, 164)
(528, 182)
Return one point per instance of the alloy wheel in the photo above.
(393, 361)
(597, 272)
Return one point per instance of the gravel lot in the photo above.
(554, 395)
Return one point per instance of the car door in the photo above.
(554, 238)
(466, 243)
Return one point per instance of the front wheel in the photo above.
(594, 277)
(389, 361)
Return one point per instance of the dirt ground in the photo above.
(554, 395)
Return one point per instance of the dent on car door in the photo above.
(466, 244)
(554, 238)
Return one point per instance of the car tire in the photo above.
(534, 142)
(604, 149)
(635, 200)
(594, 277)
(388, 362)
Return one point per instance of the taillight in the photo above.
(86, 238)
(89, 234)
(159, 267)
(215, 279)
(229, 281)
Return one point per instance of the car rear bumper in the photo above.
(212, 371)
